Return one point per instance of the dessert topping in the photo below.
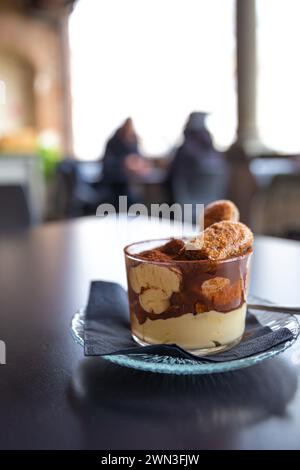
(173, 247)
(222, 240)
(220, 210)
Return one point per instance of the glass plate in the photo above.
(179, 366)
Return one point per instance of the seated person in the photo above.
(193, 162)
(122, 159)
(197, 150)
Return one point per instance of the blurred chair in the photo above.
(26, 172)
(65, 181)
(201, 188)
(79, 188)
(278, 211)
(14, 208)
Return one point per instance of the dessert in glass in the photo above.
(192, 292)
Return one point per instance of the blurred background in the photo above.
(161, 101)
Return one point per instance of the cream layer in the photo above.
(204, 330)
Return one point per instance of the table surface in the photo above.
(51, 397)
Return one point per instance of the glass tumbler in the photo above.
(200, 305)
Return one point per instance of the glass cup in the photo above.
(200, 305)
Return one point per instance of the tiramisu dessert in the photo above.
(192, 292)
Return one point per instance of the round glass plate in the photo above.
(179, 366)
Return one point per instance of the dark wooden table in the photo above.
(53, 398)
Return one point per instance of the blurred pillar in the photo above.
(247, 134)
(66, 82)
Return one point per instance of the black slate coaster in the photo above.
(107, 330)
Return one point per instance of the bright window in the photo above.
(278, 37)
(153, 60)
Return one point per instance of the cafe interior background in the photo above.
(72, 73)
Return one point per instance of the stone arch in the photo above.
(38, 43)
(17, 76)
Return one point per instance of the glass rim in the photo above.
(167, 262)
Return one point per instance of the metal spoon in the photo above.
(276, 308)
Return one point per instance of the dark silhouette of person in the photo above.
(195, 157)
(121, 160)
(197, 149)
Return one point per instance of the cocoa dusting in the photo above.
(220, 210)
(173, 247)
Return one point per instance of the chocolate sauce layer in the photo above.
(204, 285)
